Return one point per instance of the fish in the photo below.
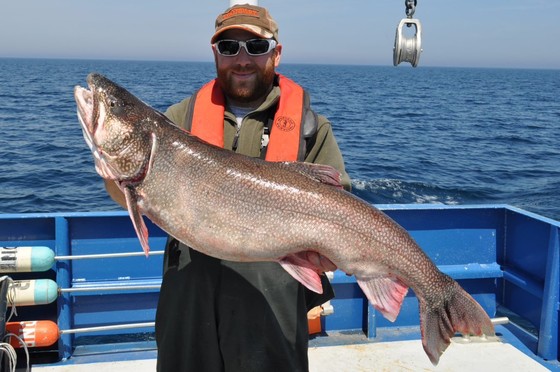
(240, 208)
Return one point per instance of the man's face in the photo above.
(246, 79)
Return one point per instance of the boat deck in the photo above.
(491, 355)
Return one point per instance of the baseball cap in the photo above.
(252, 18)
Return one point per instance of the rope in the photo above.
(10, 352)
(11, 296)
(12, 356)
(5, 347)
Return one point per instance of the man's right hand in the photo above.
(115, 192)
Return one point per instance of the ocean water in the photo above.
(425, 135)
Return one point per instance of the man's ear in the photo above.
(215, 54)
(277, 54)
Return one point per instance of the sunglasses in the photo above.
(253, 47)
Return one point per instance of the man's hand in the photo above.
(115, 192)
(323, 263)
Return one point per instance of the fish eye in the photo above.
(115, 105)
(112, 101)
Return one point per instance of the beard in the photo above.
(249, 90)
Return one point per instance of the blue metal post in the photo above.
(371, 322)
(548, 333)
(63, 280)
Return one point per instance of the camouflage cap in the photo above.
(254, 19)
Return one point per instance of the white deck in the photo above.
(383, 356)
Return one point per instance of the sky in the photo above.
(467, 33)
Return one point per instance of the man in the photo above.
(215, 315)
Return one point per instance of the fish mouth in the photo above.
(88, 112)
(85, 102)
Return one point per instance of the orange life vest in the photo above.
(207, 119)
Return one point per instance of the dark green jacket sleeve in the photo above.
(326, 151)
(176, 113)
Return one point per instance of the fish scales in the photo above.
(244, 209)
(238, 195)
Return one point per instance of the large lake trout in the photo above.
(238, 208)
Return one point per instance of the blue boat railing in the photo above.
(507, 258)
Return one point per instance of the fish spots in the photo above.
(262, 182)
(178, 145)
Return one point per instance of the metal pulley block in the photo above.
(408, 49)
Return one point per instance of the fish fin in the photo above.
(385, 294)
(441, 318)
(318, 172)
(136, 217)
(303, 271)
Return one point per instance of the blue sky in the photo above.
(469, 33)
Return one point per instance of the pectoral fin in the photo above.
(136, 217)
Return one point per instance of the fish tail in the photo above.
(454, 311)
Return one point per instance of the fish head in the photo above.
(118, 128)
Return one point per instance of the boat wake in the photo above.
(393, 191)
